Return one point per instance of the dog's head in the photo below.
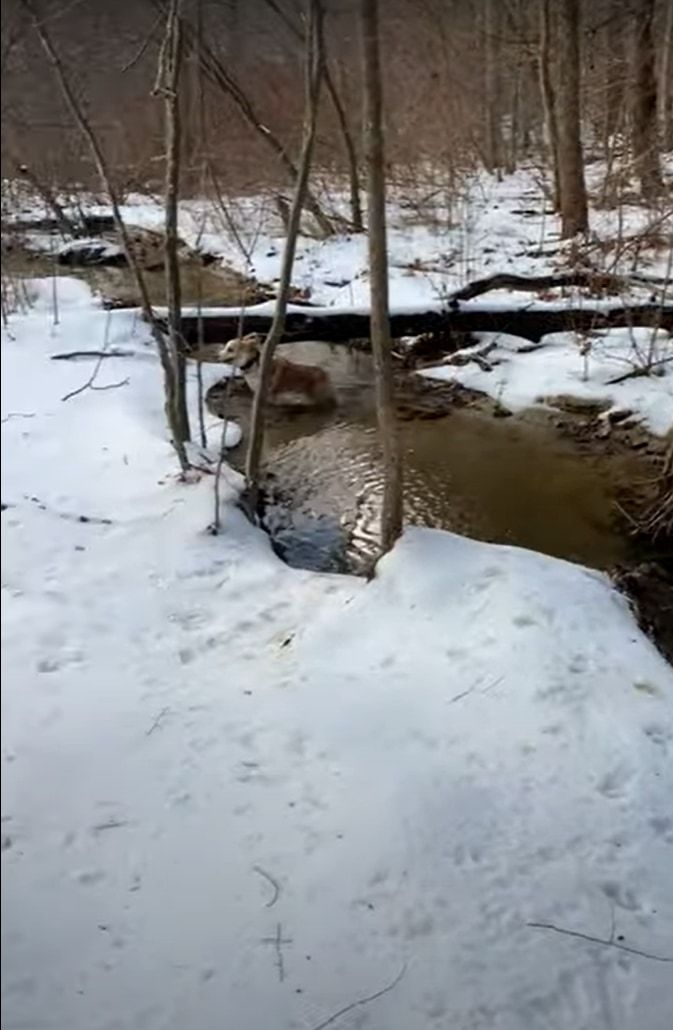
(243, 351)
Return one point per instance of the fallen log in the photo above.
(531, 321)
(589, 279)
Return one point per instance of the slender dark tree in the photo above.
(392, 514)
(314, 71)
(644, 106)
(574, 214)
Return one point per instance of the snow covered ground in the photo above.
(241, 795)
(523, 379)
(436, 244)
(490, 227)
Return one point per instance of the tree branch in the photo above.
(361, 1001)
(608, 943)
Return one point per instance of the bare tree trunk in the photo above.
(167, 86)
(392, 513)
(549, 98)
(494, 146)
(666, 81)
(101, 165)
(515, 116)
(344, 128)
(615, 72)
(574, 215)
(644, 113)
(314, 72)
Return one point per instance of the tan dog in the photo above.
(292, 386)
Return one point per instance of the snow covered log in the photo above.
(335, 325)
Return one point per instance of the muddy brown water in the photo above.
(208, 285)
(506, 480)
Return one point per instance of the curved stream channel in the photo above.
(506, 480)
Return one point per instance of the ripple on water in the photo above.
(506, 481)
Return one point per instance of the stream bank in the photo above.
(554, 481)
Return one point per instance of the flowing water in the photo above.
(507, 480)
(514, 481)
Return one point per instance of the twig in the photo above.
(278, 941)
(18, 414)
(112, 386)
(274, 884)
(73, 354)
(279, 952)
(111, 824)
(608, 943)
(625, 513)
(87, 384)
(361, 1001)
(96, 368)
(470, 690)
(69, 516)
(157, 722)
(636, 373)
(463, 693)
(146, 42)
(199, 367)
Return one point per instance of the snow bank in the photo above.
(522, 380)
(238, 794)
(48, 296)
(435, 245)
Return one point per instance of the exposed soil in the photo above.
(208, 283)
(649, 586)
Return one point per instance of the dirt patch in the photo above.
(649, 587)
(209, 284)
(418, 398)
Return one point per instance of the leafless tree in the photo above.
(548, 97)
(84, 126)
(644, 106)
(494, 145)
(392, 513)
(314, 70)
(223, 79)
(167, 86)
(574, 215)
